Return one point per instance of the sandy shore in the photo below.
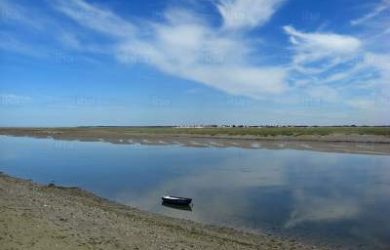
(33, 216)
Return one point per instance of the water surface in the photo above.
(340, 199)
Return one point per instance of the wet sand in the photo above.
(33, 216)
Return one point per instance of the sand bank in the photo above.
(33, 216)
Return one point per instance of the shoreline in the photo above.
(377, 135)
(71, 218)
(337, 143)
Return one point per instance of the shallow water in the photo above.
(339, 199)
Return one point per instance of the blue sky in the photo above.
(90, 62)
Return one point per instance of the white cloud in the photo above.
(374, 27)
(317, 56)
(316, 46)
(336, 68)
(14, 13)
(238, 14)
(100, 20)
(183, 45)
(381, 62)
(252, 82)
(383, 6)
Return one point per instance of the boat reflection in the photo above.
(179, 207)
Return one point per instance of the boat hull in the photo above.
(176, 200)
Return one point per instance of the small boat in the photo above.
(169, 199)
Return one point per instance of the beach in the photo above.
(34, 216)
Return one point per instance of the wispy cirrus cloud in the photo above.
(95, 18)
(325, 65)
(320, 59)
(379, 9)
(319, 45)
(11, 12)
(183, 45)
(340, 70)
(328, 66)
(238, 14)
(374, 26)
(315, 53)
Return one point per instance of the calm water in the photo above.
(342, 199)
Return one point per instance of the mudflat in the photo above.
(360, 140)
(34, 216)
(327, 134)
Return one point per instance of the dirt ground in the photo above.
(51, 217)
